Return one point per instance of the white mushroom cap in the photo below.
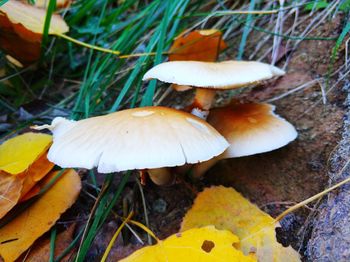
(148, 137)
(222, 75)
(251, 128)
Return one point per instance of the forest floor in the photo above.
(313, 96)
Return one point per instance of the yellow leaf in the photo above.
(26, 19)
(199, 244)
(226, 209)
(18, 153)
(18, 235)
(10, 192)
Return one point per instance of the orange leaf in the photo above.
(39, 169)
(40, 251)
(28, 21)
(12, 44)
(21, 25)
(31, 193)
(10, 192)
(199, 45)
(18, 235)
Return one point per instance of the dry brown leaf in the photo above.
(31, 193)
(199, 45)
(40, 251)
(226, 209)
(13, 45)
(38, 170)
(10, 192)
(18, 235)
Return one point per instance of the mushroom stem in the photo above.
(200, 169)
(161, 176)
(203, 99)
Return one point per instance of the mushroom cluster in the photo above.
(249, 128)
(153, 139)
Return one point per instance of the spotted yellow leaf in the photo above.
(199, 244)
(226, 209)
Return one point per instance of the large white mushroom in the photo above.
(141, 138)
(250, 129)
(209, 77)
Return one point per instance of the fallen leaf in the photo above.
(20, 152)
(198, 244)
(38, 170)
(28, 21)
(45, 3)
(10, 192)
(18, 235)
(25, 153)
(31, 193)
(13, 45)
(22, 25)
(40, 250)
(226, 209)
(199, 45)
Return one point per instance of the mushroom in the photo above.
(141, 138)
(250, 129)
(198, 45)
(210, 76)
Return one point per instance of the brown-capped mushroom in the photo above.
(250, 129)
(140, 138)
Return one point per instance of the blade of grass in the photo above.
(335, 49)
(147, 99)
(3, 2)
(70, 247)
(50, 10)
(52, 244)
(246, 31)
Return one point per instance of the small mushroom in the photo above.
(250, 129)
(141, 138)
(209, 77)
